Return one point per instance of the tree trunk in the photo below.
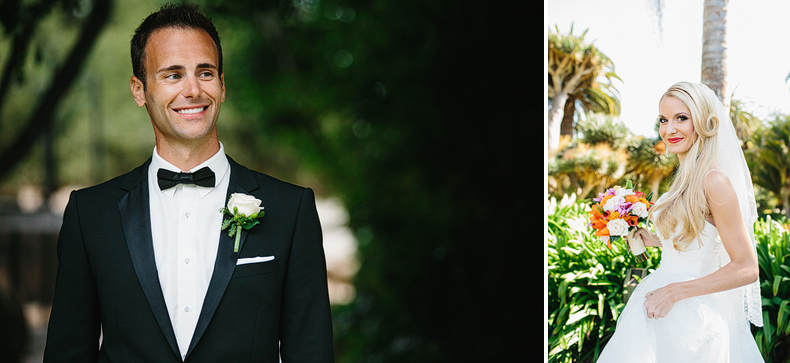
(583, 192)
(555, 119)
(566, 127)
(655, 183)
(714, 47)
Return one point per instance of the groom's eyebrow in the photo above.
(206, 65)
(171, 68)
(181, 68)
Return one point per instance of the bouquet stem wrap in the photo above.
(637, 247)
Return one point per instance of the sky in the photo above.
(649, 61)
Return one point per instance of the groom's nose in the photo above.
(191, 87)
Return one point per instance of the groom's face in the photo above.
(183, 89)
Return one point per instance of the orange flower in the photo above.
(596, 212)
(598, 223)
(613, 215)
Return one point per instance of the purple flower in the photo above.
(624, 208)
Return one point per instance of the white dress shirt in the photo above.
(185, 226)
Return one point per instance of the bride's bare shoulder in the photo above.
(716, 178)
(718, 187)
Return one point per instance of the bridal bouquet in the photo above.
(617, 213)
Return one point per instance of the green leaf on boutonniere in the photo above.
(249, 223)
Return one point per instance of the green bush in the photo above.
(773, 249)
(586, 285)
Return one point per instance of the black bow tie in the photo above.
(168, 179)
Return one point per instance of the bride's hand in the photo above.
(659, 302)
(648, 238)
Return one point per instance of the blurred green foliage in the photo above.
(98, 131)
(407, 110)
(769, 159)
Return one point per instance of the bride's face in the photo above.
(676, 126)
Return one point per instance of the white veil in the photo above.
(731, 161)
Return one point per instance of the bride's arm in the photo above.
(742, 268)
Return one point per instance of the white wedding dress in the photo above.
(709, 328)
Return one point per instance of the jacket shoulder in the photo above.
(266, 180)
(116, 187)
(252, 179)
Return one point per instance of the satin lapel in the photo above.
(241, 181)
(136, 218)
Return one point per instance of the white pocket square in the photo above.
(244, 261)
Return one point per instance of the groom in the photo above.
(145, 272)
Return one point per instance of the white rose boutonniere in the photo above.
(244, 211)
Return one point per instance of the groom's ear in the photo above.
(222, 82)
(138, 91)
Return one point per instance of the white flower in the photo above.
(617, 227)
(244, 211)
(613, 203)
(568, 200)
(578, 224)
(246, 204)
(639, 209)
(622, 192)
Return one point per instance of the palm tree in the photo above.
(594, 97)
(588, 168)
(575, 71)
(745, 122)
(593, 162)
(714, 46)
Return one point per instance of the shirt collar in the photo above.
(217, 163)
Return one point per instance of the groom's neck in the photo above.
(187, 156)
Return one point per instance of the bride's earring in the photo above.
(667, 153)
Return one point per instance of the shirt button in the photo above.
(186, 214)
(186, 260)
(186, 309)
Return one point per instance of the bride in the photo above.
(697, 305)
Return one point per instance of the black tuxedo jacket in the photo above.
(107, 282)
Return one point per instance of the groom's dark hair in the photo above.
(183, 16)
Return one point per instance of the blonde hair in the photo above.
(685, 203)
